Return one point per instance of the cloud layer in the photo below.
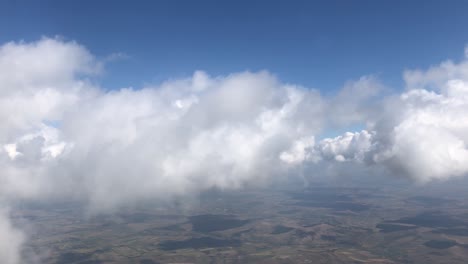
(63, 136)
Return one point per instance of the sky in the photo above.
(319, 44)
(111, 103)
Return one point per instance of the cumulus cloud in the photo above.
(62, 136)
(347, 147)
(421, 133)
(437, 77)
(428, 139)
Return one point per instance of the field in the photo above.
(320, 224)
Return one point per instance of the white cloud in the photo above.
(421, 134)
(436, 77)
(10, 241)
(348, 147)
(355, 102)
(43, 63)
(429, 137)
(300, 151)
(115, 147)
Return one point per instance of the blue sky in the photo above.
(318, 44)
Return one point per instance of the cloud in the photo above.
(421, 133)
(11, 241)
(437, 77)
(43, 63)
(347, 147)
(355, 102)
(63, 137)
(300, 151)
(426, 138)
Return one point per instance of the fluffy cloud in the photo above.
(348, 147)
(11, 240)
(421, 134)
(62, 136)
(355, 102)
(60, 132)
(185, 135)
(428, 138)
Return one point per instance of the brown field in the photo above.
(323, 224)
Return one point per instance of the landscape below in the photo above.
(319, 224)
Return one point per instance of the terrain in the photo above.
(320, 224)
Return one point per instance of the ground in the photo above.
(319, 224)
